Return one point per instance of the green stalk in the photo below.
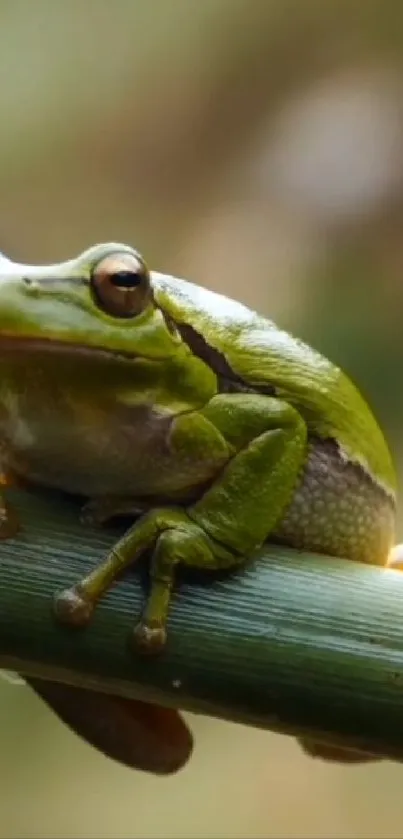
(293, 642)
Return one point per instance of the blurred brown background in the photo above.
(256, 147)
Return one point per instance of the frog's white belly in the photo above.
(91, 451)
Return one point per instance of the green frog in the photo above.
(154, 397)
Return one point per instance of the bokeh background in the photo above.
(256, 147)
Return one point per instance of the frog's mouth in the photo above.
(15, 345)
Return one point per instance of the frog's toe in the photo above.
(149, 638)
(72, 607)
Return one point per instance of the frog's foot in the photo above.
(73, 606)
(98, 511)
(9, 523)
(149, 638)
(175, 539)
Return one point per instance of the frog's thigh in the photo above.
(248, 498)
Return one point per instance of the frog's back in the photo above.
(263, 355)
(344, 502)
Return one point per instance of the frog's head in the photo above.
(102, 300)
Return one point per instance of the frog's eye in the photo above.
(121, 285)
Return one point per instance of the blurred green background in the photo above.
(256, 147)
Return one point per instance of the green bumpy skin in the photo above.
(151, 396)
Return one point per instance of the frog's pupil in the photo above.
(126, 279)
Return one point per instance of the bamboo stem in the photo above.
(295, 643)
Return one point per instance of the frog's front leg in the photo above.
(233, 517)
